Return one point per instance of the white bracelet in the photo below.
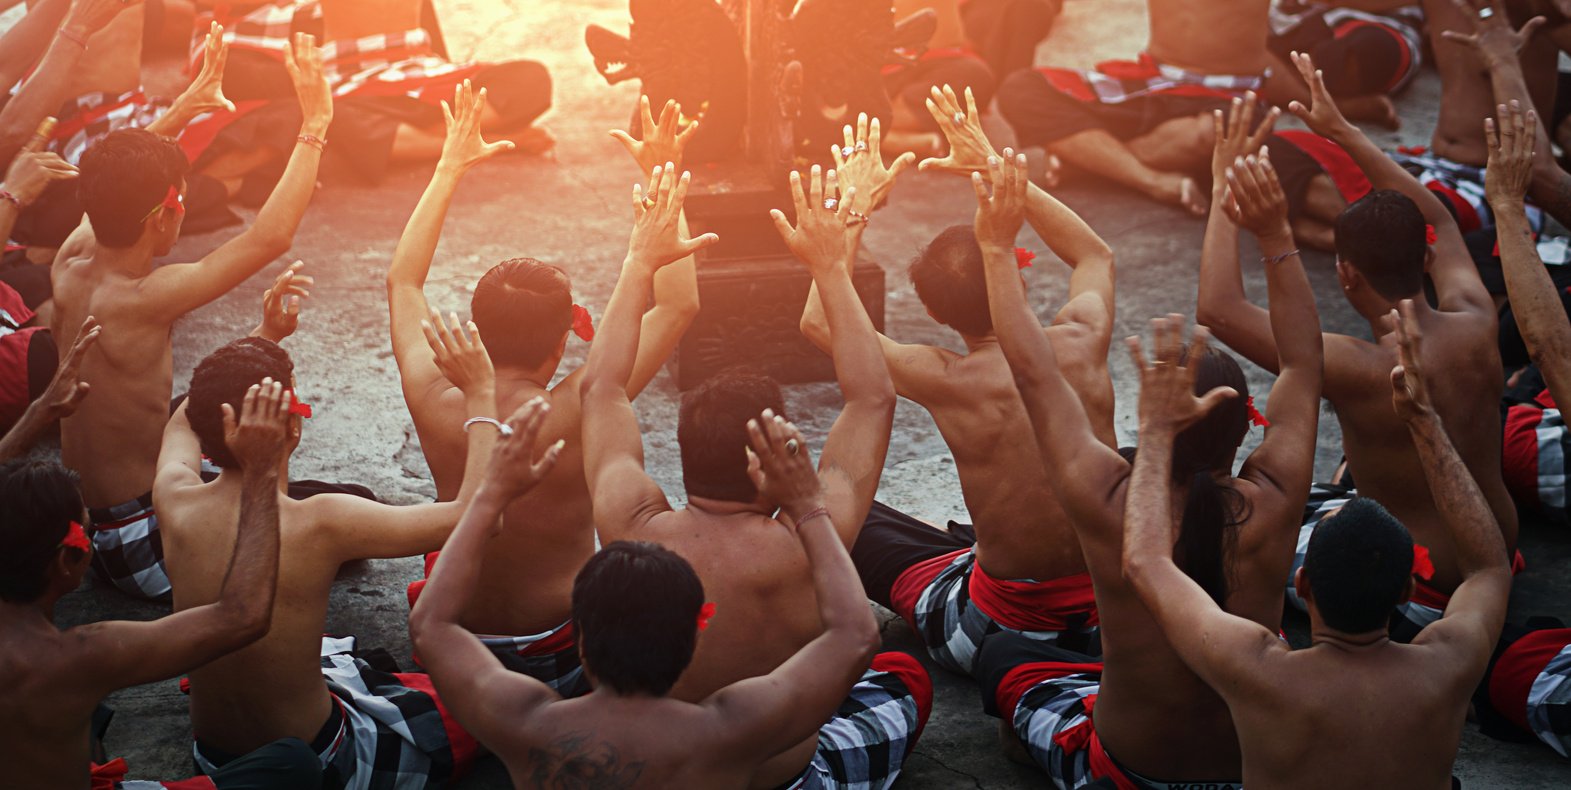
(504, 428)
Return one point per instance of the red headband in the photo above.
(1423, 567)
(705, 612)
(172, 201)
(583, 325)
(1023, 258)
(76, 538)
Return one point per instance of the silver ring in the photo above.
(846, 150)
(861, 145)
(1486, 12)
(793, 447)
(830, 203)
(649, 202)
(960, 118)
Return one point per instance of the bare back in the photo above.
(1212, 37)
(45, 713)
(1466, 393)
(755, 572)
(112, 442)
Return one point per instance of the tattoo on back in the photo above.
(576, 761)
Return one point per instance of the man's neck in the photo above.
(1378, 322)
(722, 508)
(529, 380)
(36, 615)
(234, 477)
(1320, 634)
(134, 261)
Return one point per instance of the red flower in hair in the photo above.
(1023, 258)
(301, 408)
(705, 612)
(76, 538)
(1423, 567)
(1255, 416)
(583, 325)
(1429, 235)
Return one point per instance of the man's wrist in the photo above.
(315, 128)
(1276, 241)
(1157, 433)
(803, 510)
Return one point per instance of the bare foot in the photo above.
(532, 141)
(1183, 192)
(1376, 109)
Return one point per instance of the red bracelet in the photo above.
(66, 34)
(6, 195)
(313, 141)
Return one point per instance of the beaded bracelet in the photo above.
(1276, 259)
(6, 195)
(66, 34)
(313, 141)
(504, 428)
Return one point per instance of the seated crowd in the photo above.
(1121, 609)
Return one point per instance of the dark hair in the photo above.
(223, 377)
(123, 177)
(1384, 236)
(38, 502)
(523, 309)
(1357, 565)
(1201, 453)
(635, 609)
(711, 432)
(948, 277)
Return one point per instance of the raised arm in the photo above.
(624, 495)
(205, 93)
(1221, 648)
(406, 303)
(178, 289)
(120, 654)
(29, 174)
(59, 401)
(1477, 609)
(1063, 431)
(767, 714)
(45, 90)
(1455, 277)
(825, 238)
(489, 699)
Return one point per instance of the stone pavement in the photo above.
(570, 209)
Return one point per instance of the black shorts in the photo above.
(1041, 114)
(891, 542)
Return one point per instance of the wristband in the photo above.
(313, 141)
(66, 34)
(502, 427)
(6, 195)
(1276, 259)
(812, 514)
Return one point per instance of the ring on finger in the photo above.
(846, 150)
(1486, 12)
(960, 118)
(857, 218)
(649, 201)
(831, 203)
(861, 146)
(793, 446)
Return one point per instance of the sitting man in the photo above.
(1025, 571)
(524, 604)
(133, 186)
(1382, 258)
(57, 678)
(1370, 51)
(367, 727)
(1143, 719)
(736, 538)
(639, 609)
(1147, 125)
(1332, 715)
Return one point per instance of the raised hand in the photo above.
(825, 235)
(658, 238)
(664, 140)
(66, 390)
(1322, 116)
(90, 16)
(460, 355)
(281, 303)
(1409, 392)
(464, 147)
(999, 215)
(303, 60)
(1238, 136)
(514, 470)
(1167, 384)
(1513, 139)
(781, 466)
(34, 169)
(1489, 31)
(1255, 200)
(260, 434)
(206, 92)
(969, 148)
(860, 164)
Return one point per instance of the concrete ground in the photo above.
(569, 209)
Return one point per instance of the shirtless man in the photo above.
(132, 185)
(55, 679)
(366, 727)
(523, 604)
(752, 566)
(1025, 571)
(1382, 259)
(1154, 139)
(1153, 718)
(640, 609)
(1332, 715)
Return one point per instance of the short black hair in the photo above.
(123, 177)
(1385, 238)
(635, 610)
(1357, 565)
(523, 308)
(711, 432)
(224, 377)
(38, 502)
(950, 282)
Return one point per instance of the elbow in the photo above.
(1210, 314)
(1136, 570)
(862, 635)
(597, 386)
(272, 245)
(248, 621)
